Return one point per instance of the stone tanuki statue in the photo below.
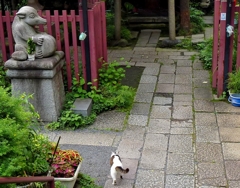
(23, 28)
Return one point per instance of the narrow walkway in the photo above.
(176, 135)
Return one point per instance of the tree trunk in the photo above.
(117, 7)
(185, 16)
(171, 18)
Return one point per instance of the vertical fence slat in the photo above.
(9, 29)
(97, 37)
(67, 49)
(2, 38)
(215, 42)
(238, 44)
(57, 29)
(231, 39)
(92, 44)
(41, 27)
(104, 31)
(49, 22)
(221, 50)
(75, 47)
(98, 33)
(83, 46)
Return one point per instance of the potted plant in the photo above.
(234, 88)
(65, 166)
(31, 49)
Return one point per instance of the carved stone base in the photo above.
(43, 78)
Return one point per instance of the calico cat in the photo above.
(116, 167)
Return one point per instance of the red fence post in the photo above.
(104, 31)
(215, 43)
(231, 39)
(2, 38)
(222, 48)
(92, 44)
(238, 44)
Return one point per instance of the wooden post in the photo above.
(117, 7)
(171, 19)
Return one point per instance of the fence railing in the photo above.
(66, 28)
(222, 59)
(49, 179)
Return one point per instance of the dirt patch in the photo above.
(133, 76)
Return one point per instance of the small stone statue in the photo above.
(23, 28)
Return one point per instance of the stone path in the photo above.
(176, 136)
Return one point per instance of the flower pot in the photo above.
(234, 98)
(69, 182)
(31, 57)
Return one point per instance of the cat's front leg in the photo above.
(114, 182)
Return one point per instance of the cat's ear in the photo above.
(113, 153)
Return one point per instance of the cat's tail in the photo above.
(120, 169)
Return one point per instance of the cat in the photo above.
(116, 167)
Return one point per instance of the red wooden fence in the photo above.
(219, 35)
(67, 38)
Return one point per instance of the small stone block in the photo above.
(82, 106)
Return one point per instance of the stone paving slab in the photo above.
(156, 142)
(229, 134)
(149, 179)
(153, 159)
(130, 148)
(94, 138)
(162, 100)
(207, 134)
(160, 112)
(209, 152)
(231, 151)
(180, 163)
(143, 97)
(183, 89)
(140, 120)
(140, 109)
(232, 169)
(165, 88)
(211, 174)
(159, 126)
(182, 112)
(180, 181)
(181, 144)
(228, 120)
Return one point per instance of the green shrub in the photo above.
(14, 108)
(109, 95)
(125, 32)
(22, 150)
(234, 82)
(196, 19)
(205, 53)
(4, 81)
(85, 181)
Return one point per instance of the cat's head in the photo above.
(113, 154)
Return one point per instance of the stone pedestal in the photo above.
(43, 79)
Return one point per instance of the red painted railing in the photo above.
(64, 29)
(219, 36)
(49, 179)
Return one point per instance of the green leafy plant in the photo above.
(234, 82)
(196, 19)
(58, 184)
(4, 80)
(86, 181)
(23, 151)
(30, 46)
(65, 163)
(109, 95)
(205, 53)
(125, 32)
